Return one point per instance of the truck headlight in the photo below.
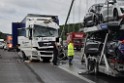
(34, 53)
(10, 45)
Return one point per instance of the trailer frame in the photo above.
(99, 62)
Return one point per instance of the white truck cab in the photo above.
(36, 36)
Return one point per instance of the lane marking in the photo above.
(77, 75)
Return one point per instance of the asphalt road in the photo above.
(100, 78)
(14, 70)
(53, 74)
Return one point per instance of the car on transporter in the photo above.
(92, 17)
(112, 10)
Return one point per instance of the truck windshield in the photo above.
(42, 31)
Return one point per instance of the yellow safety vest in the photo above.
(70, 49)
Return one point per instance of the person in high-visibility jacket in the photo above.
(70, 52)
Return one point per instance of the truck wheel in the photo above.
(23, 56)
(46, 59)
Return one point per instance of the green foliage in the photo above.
(3, 35)
(69, 28)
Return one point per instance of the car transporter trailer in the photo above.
(95, 53)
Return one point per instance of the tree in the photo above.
(3, 35)
(70, 28)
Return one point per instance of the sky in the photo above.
(16, 10)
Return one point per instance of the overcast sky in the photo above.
(16, 10)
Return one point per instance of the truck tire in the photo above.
(93, 66)
(23, 56)
(90, 65)
(96, 69)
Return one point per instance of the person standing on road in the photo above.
(70, 52)
(55, 52)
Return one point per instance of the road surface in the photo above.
(14, 70)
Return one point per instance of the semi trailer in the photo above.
(104, 48)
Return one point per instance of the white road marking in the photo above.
(76, 74)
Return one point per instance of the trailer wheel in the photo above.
(92, 66)
(22, 55)
(96, 67)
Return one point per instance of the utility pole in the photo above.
(67, 18)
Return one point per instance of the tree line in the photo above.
(68, 28)
(3, 35)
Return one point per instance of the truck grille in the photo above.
(45, 53)
(45, 49)
(45, 44)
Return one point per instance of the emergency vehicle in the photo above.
(76, 38)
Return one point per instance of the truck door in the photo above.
(24, 40)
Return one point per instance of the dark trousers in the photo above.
(70, 58)
(55, 58)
